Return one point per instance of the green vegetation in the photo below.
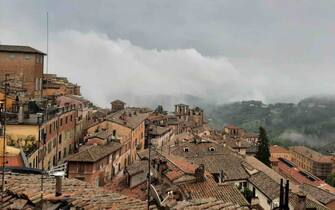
(331, 180)
(309, 122)
(263, 153)
(248, 194)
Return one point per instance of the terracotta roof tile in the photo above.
(76, 193)
(210, 189)
(129, 117)
(319, 194)
(95, 152)
(209, 203)
(278, 149)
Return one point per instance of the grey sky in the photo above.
(262, 49)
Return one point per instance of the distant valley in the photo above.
(309, 122)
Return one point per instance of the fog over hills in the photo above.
(311, 121)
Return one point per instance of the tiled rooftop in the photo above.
(140, 166)
(95, 152)
(182, 173)
(289, 169)
(278, 149)
(20, 49)
(321, 195)
(265, 184)
(190, 149)
(210, 189)
(76, 193)
(309, 153)
(272, 189)
(209, 203)
(229, 163)
(129, 117)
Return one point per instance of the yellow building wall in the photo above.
(10, 101)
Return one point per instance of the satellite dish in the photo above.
(155, 194)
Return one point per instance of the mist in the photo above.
(190, 51)
(109, 69)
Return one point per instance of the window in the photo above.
(54, 142)
(71, 118)
(50, 128)
(81, 168)
(60, 139)
(64, 155)
(49, 147)
(66, 120)
(185, 149)
(61, 121)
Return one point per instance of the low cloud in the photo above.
(108, 69)
(302, 139)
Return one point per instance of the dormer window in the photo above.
(185, 149)
(212, 149)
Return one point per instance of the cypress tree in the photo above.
(263, 153)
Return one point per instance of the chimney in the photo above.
(20, 115)
(301, 204)
(200, 173)
(59, 180)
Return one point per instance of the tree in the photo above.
(331, 180)
(263, 153)
(160, 110)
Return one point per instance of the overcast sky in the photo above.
(221, 51)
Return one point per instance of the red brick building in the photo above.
(24, 65)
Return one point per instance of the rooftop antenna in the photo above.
(47, 67)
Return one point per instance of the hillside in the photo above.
(311, 121)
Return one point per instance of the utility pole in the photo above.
(3, 110)
(40, 153)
